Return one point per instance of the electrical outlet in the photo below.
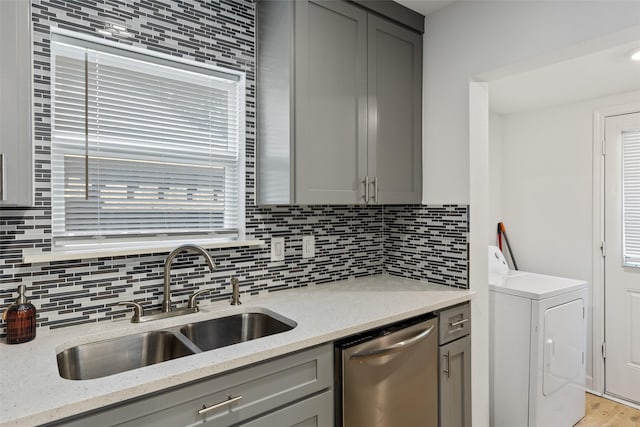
(308, 246)
(277, 249)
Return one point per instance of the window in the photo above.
(144, 146)
(631, 197)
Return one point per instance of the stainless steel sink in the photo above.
(102, 358)
(224, 331)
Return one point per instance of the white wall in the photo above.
(468, 38)
(478, 270)
(495, 177)
(546, 205)
(547, 187)
(547, 158)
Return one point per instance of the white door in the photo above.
(622, 260)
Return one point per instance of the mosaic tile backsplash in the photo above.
(427, 242)
(421, 242)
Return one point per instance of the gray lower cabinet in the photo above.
(294, 390)
(455, 367)
(339, 105)
(455, 383)
(16, 146)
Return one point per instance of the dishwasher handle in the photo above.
(394, 348)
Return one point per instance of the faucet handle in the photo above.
(138, 310)
(193, 304)
(235, 295)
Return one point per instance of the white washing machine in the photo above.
(537, 347)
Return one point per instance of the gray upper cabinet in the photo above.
(330, 102)
(394, 106)
(16, 147)
(339, 105)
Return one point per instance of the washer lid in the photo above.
(497, 263)
(532, 285)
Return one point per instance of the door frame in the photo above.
(598, 288)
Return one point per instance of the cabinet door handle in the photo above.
(366, 189)
(374, 181)
(1, 177)
(229, 401)
(446, 369)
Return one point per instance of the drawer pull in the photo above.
(229, 401)
(458, 323)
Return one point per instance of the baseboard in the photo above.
(588, 383)
(622, 401)
(614, 398)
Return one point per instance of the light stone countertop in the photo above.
(32, 392)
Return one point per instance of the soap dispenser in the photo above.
(21, 319)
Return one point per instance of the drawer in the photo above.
(455, 322)
(262, 387)
(316, 411)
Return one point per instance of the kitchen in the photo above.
(350, 241)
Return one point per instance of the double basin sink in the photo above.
(102, 358)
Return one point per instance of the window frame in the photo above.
(628, 259)
(148, 240)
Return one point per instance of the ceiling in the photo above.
(595, 75)
(425, 7)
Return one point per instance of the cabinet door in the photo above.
(16, 148)
(330, 98)
(317, 411)
(455, 383)
(395, 112)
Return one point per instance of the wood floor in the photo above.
(603, 412)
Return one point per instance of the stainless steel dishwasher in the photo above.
(388, 377)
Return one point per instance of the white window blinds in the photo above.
(631, 197)
(143, 146)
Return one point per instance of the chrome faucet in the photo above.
(166, 302)
(140, 316)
